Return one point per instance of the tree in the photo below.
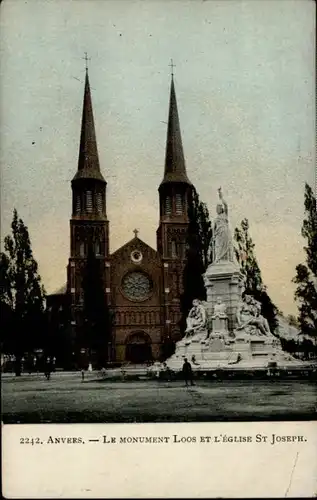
(5, 304)
(306, 274)
(22, 295)
(96, 313)
(200, 229)
(244, 251)
(198, 255)
(249, 267)
(292, 320)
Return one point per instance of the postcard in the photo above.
(158, 252)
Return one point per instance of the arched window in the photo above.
(82, 249)
(173, 248)
(77, 209)
(179, 204)
(182, 250)
(97, 248)
(99, 203)
(175, 283)
(72, 278)
(168, 205)
(89, 201)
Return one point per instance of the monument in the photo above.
(196, 320)
(228, 330)
(249, 317)
(195, 335)
(220, 317)
(223, 279)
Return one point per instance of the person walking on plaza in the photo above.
(167, 372)
(48, 368)
(187, 372)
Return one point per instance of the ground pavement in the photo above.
(65, 398)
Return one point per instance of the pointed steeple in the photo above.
(175, 169)
(88, 160)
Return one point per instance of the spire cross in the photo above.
(172, 66)
(86, 58)
(136, 232)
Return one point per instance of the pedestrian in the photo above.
(187, 372)
(30, 364)
(82, 374)
(166, 372)
(48, 368)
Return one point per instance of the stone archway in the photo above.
(138, 348)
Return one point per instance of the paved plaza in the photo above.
(65, 398)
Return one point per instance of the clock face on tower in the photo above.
(136, 286)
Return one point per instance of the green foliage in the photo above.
(244, 251)
(302, 349)
(306, 274)
(200, 229)
(292, 320)
(309, 230)
(21, 293)
(97, 316)
(198, 253)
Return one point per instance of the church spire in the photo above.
(88, 160)
(175, 169)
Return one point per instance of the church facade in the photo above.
(143, 285)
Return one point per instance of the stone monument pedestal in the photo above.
(220, 324)
(224, 280)
(187, 348)
(222, 351)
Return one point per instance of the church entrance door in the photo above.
(138, 348)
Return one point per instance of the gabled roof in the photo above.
(135, 242)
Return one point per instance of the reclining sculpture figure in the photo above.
(196, 319)
(249, 314)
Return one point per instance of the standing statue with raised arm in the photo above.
(222, 240)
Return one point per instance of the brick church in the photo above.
(142, 284)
